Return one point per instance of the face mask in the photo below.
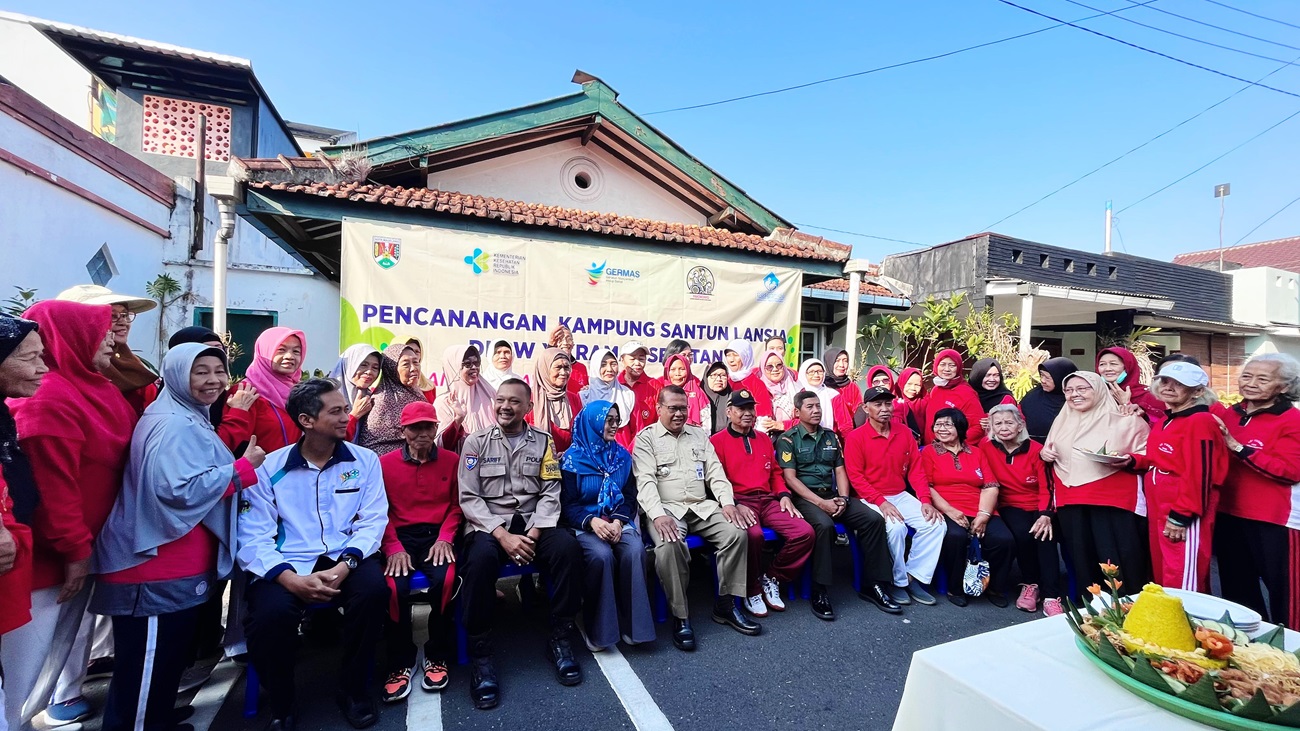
(1121, 378)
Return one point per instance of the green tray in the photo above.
(1174, 704)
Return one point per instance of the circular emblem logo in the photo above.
(645, 414)
(699, 280)
(201, 589)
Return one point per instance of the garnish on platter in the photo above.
(1152, 640)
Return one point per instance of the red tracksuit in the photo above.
(1023, 480)
(1186, 462)
(846, 405)
(758, 484)
(645, 409)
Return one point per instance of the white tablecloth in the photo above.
(1030, 676)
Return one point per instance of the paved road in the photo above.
(801, 673)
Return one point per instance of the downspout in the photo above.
(228, 193)
(855, 269)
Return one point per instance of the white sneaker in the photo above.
(772, 593)
(755, 606)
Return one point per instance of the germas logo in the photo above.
(595, 272)
(479, 261)
(613, 274)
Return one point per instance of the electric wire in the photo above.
(1276, 213)
(1219, 27)
(855, 233)
(1253, 15)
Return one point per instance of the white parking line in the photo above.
(631, 692)
(423, 710)
(207, 702)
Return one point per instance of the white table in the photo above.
(1030, 676)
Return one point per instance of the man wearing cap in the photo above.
(812, 461)
(423, 519)
(1186, 461)
(749, 459)
(510, 488)
(681, 486)
(131, 376)
(877, 458)
(645, 390)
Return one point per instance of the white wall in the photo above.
(1264, 295)
(537, 176)
(34, 64)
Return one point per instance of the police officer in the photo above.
(510, 494)
(812, 460)
(676, 470)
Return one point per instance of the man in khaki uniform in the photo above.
(509, 481)
(676, 469)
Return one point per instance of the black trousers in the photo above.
(151, 652)
(1040, 561)
(1251, 551)
(559, 557)
(272, 624)
(416, 541)
(868, 527)
(1094, 534)
(997, 547)
(209, 631)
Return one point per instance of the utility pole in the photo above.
(1221, 191)
(1108, 226)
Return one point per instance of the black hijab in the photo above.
(988, 397)
(14, 465)
(828, 361)
(202, 336)
(717, 399)
(1041, 407)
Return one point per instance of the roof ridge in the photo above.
(120, 38)
(1238, 247)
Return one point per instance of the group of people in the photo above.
(130, 501)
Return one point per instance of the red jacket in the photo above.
(1262, 477)
(420, 494)
(563, 437)
(16, 584)
(958, 478)
(1187, 460)
(750, 463)
(958, 395)
(846, 404)
(879, 465)
(271, 424)
(762, 397)
(645, 409)
(1021, 475)
(578, 378)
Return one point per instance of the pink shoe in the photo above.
(1028, 601)
(1052, 607)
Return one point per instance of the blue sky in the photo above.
(926, 153)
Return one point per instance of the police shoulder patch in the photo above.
(471, 461)
(550, 465)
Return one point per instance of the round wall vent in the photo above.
(581, 179)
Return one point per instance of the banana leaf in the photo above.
(1275, 637)
(1289, 716)
(1147, 675)
(1111, 656)
(1256, 709)
(1202, 693)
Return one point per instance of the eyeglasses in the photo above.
(774, 368)
(1077, 390)
(127, 316)
(944, 425)
(675, 409)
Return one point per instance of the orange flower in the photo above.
(1095, 589)
(1110, 570)
(1114, 584)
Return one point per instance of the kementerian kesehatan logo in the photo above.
(595, 272)
(387, 252)
(770, 293)
(478, 261)
(771, 281)
(699, 281)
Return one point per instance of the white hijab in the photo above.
(491, 374)
(745, 350)
(825, 393)
(613, 391)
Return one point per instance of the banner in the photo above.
(447, 287)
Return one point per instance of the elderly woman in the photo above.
(256, 406)
(1255, 538)
(136, 381)
(75, 432)
(951, 391)
(1099, 505)
(812, 377)
(1120, 369)
(465, 405)
(910, 401)
(954, 479)
(500, 366)
(677, 372)
(415, 378)
(780, 384)
(739, 357)
(21, 371)
(598, 500)
(357, 369)
(169, 537)
(716, 388)
(1185, 462)
(1041, 405)
(848, 401)
(1024, 502)
(561, 337)
(380, 430)
(554, 408)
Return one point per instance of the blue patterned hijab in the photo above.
(591, 457)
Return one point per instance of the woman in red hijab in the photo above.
(910, 401)
(1120, 369)
(76, 432)
(277, 359)
(677, 372)
(951, 391)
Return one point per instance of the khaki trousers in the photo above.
(673, 559)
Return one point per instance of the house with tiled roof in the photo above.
(580, 170)
(1281, 254)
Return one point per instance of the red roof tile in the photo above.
(1279, 254)
(270, 174)
(842, 285)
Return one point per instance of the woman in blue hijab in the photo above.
(599, 503)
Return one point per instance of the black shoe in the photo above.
(566, 667)
(997, 599)
(918, 592)
(683, 635)
(726, 612)
(877, 595)
(821, 605)
(288, 723)
(100, 667)
(483, 687)
(358, 712)
(958, 599)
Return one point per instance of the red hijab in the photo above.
(271, 384)
(903, 378)
(74, 397)
(695, 398)
(1139, 394)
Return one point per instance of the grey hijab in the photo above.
(177, 476)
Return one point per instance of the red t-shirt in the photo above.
(1261, 482)
(957, 396)
(420, 494)
(879, 465)
(1021, 475)
(1187, 459)
(845, 406)
(958, 478)
(271, 424)
(750, 463)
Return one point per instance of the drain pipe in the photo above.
(228, 193)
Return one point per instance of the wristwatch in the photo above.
(350, 560)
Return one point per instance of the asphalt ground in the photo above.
(802, 672)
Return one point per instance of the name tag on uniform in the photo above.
(699, 470)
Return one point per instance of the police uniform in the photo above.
(515, 484)
(675, 474)
(815, 456)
